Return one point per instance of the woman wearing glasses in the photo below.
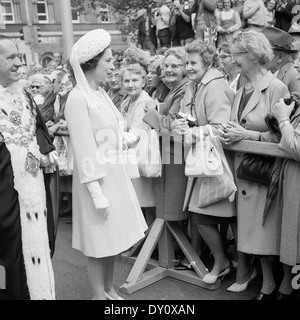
(175, 79)
(251, 51)
(208, 98)
(160, 117)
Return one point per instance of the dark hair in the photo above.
(91, 64)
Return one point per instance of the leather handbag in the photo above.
(256, 168)
(203, 159)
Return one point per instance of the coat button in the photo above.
(244, 192)
(244, 121)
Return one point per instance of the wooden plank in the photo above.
(258, 147)
(192, 278)
(152, 263)
(146, 251)
(146, 279)
(187, 249)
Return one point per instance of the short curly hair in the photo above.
(256, 44)
(178, 52)
(135, 68)
(206, 51)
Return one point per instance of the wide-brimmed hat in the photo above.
(139, 13)
(279, 39)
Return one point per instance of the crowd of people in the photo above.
(168, 23)
(228, 71)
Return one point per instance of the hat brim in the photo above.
(284, 49)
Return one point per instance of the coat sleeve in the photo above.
(290, 141)
(278, 90)
(138, 124)
(160, 121)
(83, 139)
(249, 9)
(218, 106)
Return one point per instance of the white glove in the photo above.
(45, 162)
(129, 139)
(53, 157)
(99, 199)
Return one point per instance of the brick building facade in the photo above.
(46, 15)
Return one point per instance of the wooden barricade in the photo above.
(163, 232)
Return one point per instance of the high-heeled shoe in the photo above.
(109, 297)
(265, 296)
(237, 287)
(210, 279)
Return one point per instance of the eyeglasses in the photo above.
(224, 56)
(172, 66)
(237, 54)
(35, 87)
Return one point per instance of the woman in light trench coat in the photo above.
(250, 52)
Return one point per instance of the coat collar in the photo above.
(256, 96)
(182, 83)
(210, 75)
(283, 70)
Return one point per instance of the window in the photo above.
(104, 13)
(42, 11)
(7, 12)
(75, 16)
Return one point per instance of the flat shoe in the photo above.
(237, 287)
(209, 279)
(109, 297)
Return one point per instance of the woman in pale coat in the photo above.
(107, 219)
(133, 79)
(208, 99)
(287, 200)
(251, 51)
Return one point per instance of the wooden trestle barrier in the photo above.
(163, 232)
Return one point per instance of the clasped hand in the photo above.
(180, 126)
(232, 132)
(282, 111)
(150, 105)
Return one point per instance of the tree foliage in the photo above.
(121, 6)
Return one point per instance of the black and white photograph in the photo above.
(149, 153)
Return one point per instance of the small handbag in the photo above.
(215, 189)
(203, 159)
(256, 168)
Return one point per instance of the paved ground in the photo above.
(72, 281)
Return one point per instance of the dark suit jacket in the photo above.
(284, 18)
(290, 77)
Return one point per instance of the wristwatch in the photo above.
(283, 123)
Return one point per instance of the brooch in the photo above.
(32, 164)
(15, 118)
